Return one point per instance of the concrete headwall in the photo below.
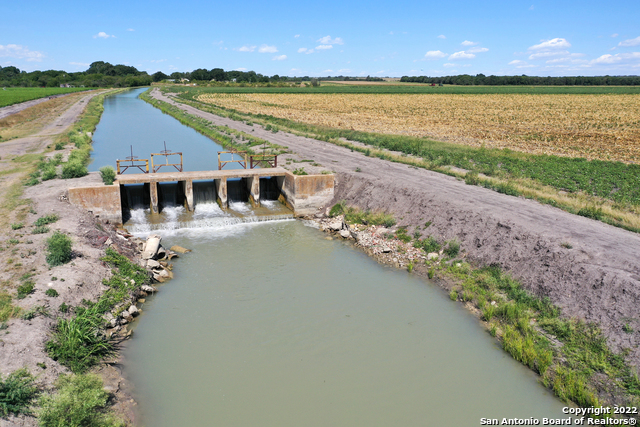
(306, 193)
(103, 201)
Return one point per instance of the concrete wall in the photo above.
(306, 193)
(103, 201)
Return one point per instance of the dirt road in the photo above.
(598, 279)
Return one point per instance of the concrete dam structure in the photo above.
(303, 194)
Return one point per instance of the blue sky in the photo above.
(357, 38)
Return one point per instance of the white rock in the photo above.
(345, 234)
(336, 225)
(153, 264)
(148, 288)
(133, 310)
(432, 255)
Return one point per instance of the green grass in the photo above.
(80, 401)
(25, 289)
(58, 249)
(17, 392)
(7, 309)
(51, 293)
(41, 229)
(402, 88)
(15, 95)
(358, 216)
(108, 174)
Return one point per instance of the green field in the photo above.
(408, 88)
(15, 95)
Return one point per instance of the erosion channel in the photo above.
(269, 323)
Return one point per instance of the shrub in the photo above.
(58, 249)
(591, 212)
(74, 169)
(108, 174)
(80, 401)
(337, 209)
(59, 146)
(429, 245)
(47, 219)
(17, 226)
(51, 292)
(25, 289)
(452, 249)
(17, 392)
(49, 172)
(42, 229)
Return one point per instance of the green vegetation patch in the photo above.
(15, 95)
(80, 401)
(358, 216)
(58, 249)
(17, 393)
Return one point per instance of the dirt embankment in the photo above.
(597, 280)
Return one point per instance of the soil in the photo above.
(591, 270)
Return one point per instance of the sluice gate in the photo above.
(302, 193)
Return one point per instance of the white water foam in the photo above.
(241, 207)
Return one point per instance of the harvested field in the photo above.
(603, 127)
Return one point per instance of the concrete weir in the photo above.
(302, 193)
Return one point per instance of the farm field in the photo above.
(592, 126)
(15, 95)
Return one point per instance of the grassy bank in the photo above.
(603, 190)
(571, 356)
(15, 95)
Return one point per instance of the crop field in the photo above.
(592, 126)
(15, 95)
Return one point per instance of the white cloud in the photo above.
(344, 70)
(102, 35)
(531, 8)
(296, 36)
(434, 54)
(614, 35)
(607, 59)
(328, 71)
(240, 69)
(302, 50)
(630, 42)
(324, 47)
(461, 55)
(20, 52)
(130, 29)
(442, 36)
(517, 62)
(557, 43)
(279, 58)
(449, 64)
(547, 54)
(246, 49)
(468, 43)
(158, 60)
(478, 50)
(267, 49)
(329, 40)
(79, 64)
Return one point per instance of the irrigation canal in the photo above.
(268, 323)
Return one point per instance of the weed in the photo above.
(358, 170)
(566, 245)
(42, 229)
(80, 401)
(59, 146)
(17, 392)
(402, 235)
(429, 245)
(417, 235)
(431, 273)
(25, 289)
(7, 310)
(41, 365)
(591, 212)
(38, 310)
(48, 219)
(51, 292)
(300, 171)
(108, 174)
(74, 169)
(58, 249)
(453, 295)
(13, 241)
(427, 224)
(410, 267)
(471, 178)
(17, 226)
(64, 308)
(452, 249)
(627, 328)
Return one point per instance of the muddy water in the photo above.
(267, 323)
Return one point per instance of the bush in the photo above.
(17, 392)
(452, 249)
(47, 219)
(25, 289)
(17, 226)
(58, 249)
(49, 172)
(59, 146)
(51, 292)
(41, 229)
(108, 174)
(74, 169)
(80, 401)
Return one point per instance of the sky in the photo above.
(331, 38)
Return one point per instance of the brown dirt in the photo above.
(598, 280)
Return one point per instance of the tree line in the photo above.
(481, 79)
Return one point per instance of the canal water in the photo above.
(268, 323)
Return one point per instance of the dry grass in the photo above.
(593, 126)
